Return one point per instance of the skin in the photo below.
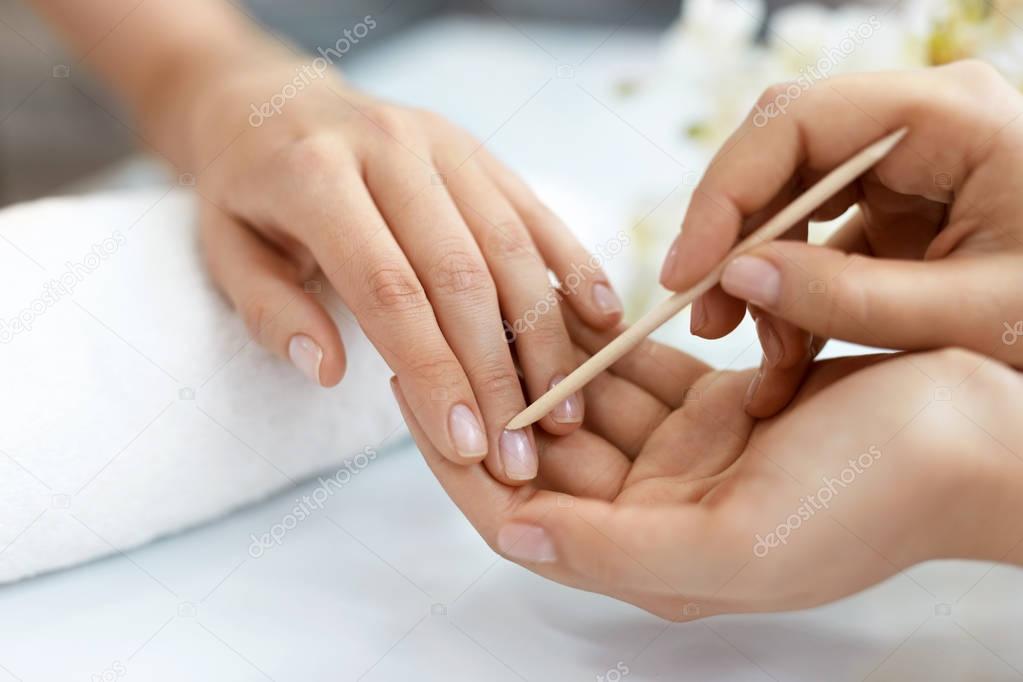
(429, 240)
(932, 258)
(662, 505)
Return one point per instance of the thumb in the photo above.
(887, 303)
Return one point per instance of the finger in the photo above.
(581, 464)
(580, 273)
(461, 289)
(822, 128)
(529, 302)
(664, 372)
(906, 305)
(264, 287)
(788, 350)
(621, 412)
(615, 548)
(715, 313)
(332, 212)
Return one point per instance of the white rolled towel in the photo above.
(133, 403)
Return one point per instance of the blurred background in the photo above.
(52, 133)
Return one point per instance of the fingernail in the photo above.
(466, 433)
(518, 455)
(570, 410)
(753, 279)
(754, 385)
(525, 542)
(306, 355)
(698, 316)
(605, 299)
(669, 263)
(769, 341)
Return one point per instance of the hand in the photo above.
(427, 238)
(674, 499)
(933, 258)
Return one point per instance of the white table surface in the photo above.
(389, 582)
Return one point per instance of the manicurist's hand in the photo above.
(439, 251)
(673, 498)
(933, 257)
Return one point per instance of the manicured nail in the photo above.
(668, 268)
(753, 279)
(306, 355)
(525, 542)
(754, 385)
(605, 299)
(769, 341)
(518, 455)
(570, 410)
(466, 433)
(698, 316)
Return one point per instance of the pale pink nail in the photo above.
(469, 439)
(753, 279)
(306, 355)
(606, 299)
(570, 410)
(518, 455)
(526, 542)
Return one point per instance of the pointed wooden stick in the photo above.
(803, 206)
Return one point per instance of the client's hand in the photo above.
(430, 241)
(941, 222)
(673, 498)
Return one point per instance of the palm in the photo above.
(670, 482)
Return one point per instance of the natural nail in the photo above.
(518, 455)
(753, 279)
(526, 542)
(570, 410)
(466, 433)
(605, 299)
(668, 269)
(769, 341)
(306, 355)
(698, 316)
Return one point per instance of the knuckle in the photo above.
(494, 376)
(510, 240)
(435, 368)
(391, 121)
(460, 272)
(975, 73)
(775, 93)
(314, 155)
(544, 330)
(393, 289)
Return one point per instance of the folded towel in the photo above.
(133, 402)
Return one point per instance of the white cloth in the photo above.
(133, 400)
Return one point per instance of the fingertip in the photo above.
(608, 306)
